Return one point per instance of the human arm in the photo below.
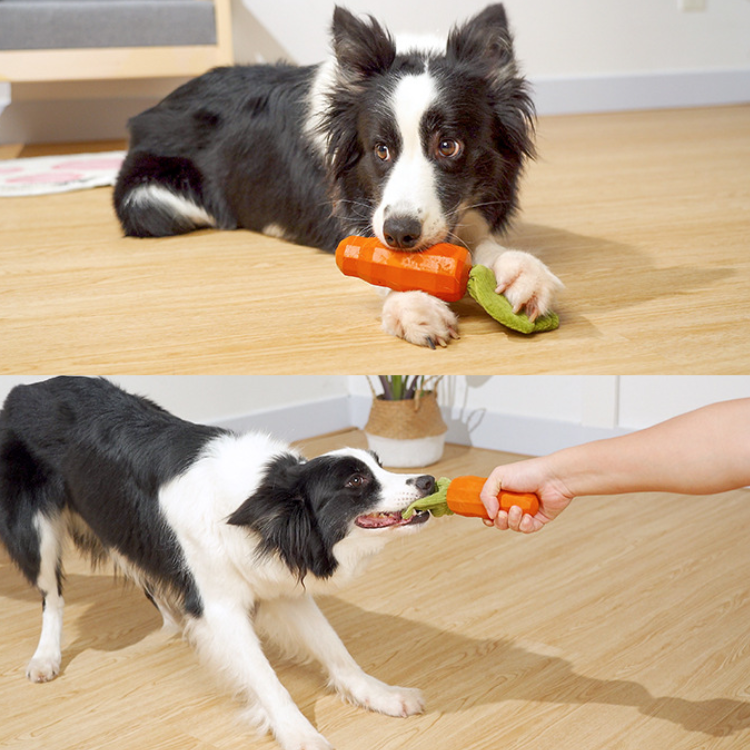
(702, 452)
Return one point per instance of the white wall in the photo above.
(645, 400)
(580, 56)
(222, 398)
(531, 415)
(540, 414)
(553, 38)
(601, 402)
(537, 397)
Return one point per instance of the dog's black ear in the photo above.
(485, 38)
(362, 48)
(281, 515)
(485, 43)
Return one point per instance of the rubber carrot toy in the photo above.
(461, 496)
(443, 270)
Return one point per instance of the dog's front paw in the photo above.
(398, 701)
(292, 731)
(318, 742)
(526, 282)
(375, 695)
(43, 668)
(419, 318)
(308, 740)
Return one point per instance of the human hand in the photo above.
(533, 475)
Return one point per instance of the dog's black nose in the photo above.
(426, 484)
(402, 232)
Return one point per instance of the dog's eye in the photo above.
(449, 148)
(356, 481)
(382, 152)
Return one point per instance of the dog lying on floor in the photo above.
(414, 140)
(229, 535)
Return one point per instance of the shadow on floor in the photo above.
(502, 670)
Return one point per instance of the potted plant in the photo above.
(405, 427)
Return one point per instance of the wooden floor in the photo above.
(644, 215)
(622, 625)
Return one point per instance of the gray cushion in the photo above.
(66, 24)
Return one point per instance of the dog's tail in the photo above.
(159, 196)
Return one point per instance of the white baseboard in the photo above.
(296, 421)
(479, 428)
(609, 93)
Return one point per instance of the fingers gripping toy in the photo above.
(443, 270)
(461, 496)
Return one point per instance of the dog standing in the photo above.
(229, 535)
(415, 141)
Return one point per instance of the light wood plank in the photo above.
(621, 625)
(644, 215)
(10, 151)
(32, 66)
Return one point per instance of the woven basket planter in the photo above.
(408, 433)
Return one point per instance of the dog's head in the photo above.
(301, 510)
(420, 135)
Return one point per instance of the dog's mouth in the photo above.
(421, 246)
(392, 519)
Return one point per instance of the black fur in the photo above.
(87, 446)
(234, 140)
(303, 508)
(192, 513)
(231, 141)
(483, 103)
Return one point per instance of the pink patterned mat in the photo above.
(42, 175)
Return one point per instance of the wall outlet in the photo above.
(691, 5)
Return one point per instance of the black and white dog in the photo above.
(229, 535)
(416, 141)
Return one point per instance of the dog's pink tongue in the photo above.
(378, 521)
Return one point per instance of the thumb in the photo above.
(489, 493)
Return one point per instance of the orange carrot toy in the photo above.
(461, 496)
(443, 270)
